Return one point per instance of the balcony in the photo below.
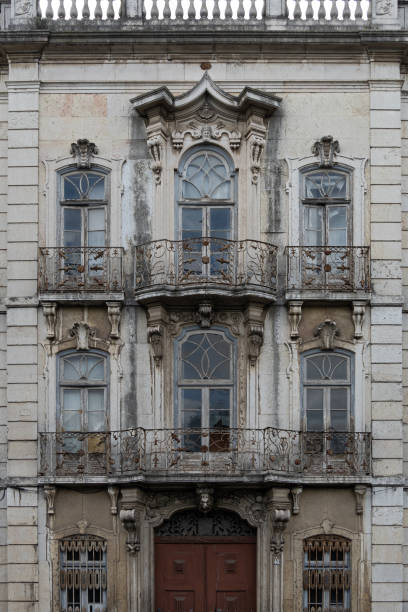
(202, 267)
(72, 274)
(328, 272)
(191, 454)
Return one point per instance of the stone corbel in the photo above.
(155, 337)
(359, 492)
(83, 150)
(114, 309)
(155, 146)
(255, 331)
(113, 493)
(296, 492)
(326, 148)
(205, 315)
(358, 318)
(130, 520)
(257, 145)
(295, 316)
(50, 493)
(278, 504)
(82, 332)
(327, 332)
(50, 314)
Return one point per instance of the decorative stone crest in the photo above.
(83, 150)
(295, 316)
(326, 526)
(359, 492)
(155, 337)
(130, 519)
(50, 313)
(327, 331)
(358, 318)
(82, 332)
(82, 525)
(205, 315)
(205, 499)
(114, 309)
(326, 148)
(155, 146)
(257, 144)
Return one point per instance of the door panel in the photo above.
(204, 577)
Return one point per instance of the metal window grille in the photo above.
(327, 574)
(83, 578)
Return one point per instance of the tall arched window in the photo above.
(205, 209)
(326, 574)
(83, 574)
(206, 389)
(327, 390)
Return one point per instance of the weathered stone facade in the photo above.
(105, 286)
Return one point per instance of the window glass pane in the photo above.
(339, 421)
(206, 177)
(220, 407)
(96, 219)
(337, 226)
(84, 186)
(325, 184)
(314, 409)
(191, 402)
(206, 356)
(96, 421)
(96, 398)
(72, 399)
(327, 367)
(220, 223)
(96, 370)
(339, 399)
(192, 223)
(313, 225)
(72, 227)
(71, 368)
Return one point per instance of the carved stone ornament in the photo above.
(155, 146)
(22, 7)
(50, 314)
(155, 337)
(327, 331)
(205, 315)
(257, 144)
(205, 132)
(383, 7)
(359, 492)
(205, 499)
(296, 492)
(130, 520)
(255, 341)
(83, 150)
(82, 332)
(217, 522)
(82, 525)
(295, 316)
(49, 493)
(114, 309)
(326, 148)
(358, 318)
(113, 493)
(326, 526)
(249, 506)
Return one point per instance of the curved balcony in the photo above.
(201, 267)
(328, 272)
(185, 454)
(72, 274)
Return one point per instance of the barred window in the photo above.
(327, 574)
(83, 580)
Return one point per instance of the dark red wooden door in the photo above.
(205, 576)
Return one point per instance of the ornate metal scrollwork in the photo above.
(215, 523)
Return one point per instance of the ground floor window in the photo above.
(83, 581)
(327, 574)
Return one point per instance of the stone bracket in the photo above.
(130, 520)
(296, 492)
(295, 316)
(114, 309)
(254, 319)
(359, 493)
(113, 493)
(50, 314)
(358, 318)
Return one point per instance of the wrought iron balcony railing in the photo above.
(80, 269)
(328, 268)
(204, 451)
(232, 264)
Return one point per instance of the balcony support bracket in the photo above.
(359, 492)
(295, 316)
(50, 314)
(358, 318)
(114, 309)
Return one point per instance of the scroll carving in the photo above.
(130, 520)
(82, 332)
(114, 309)
(155, 146)
(155, 337)
(257, 145)
(83, 150)
(327, 332)
(326, 148)
(50, 313)
(295, 316)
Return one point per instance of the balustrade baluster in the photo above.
(369, 11)
(74, 11)
(179, 10)
(191, 10)
(321, 14)
(241, 10)
(155, 10)
(49, 11)
(98, 10)
(297, 13)
(252, 10)
(203, 10)
(85, 10)
(216, 10)
(39, 11)
(309, 10)
(359, 11)
(166, 10)
(346, 10)
(61, 10)
(110, 13)
(228, 10)
(334, 13)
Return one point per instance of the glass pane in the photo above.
(339, 420)
(96, 239)
(96, 399)
(337, 225)
(192, 223)
(70, 368)
(327, 367)
(96, 370)
(313, 226)
(72, 219)
(96, 421)
(339, 399)
(207, 177)
(326, 184)
(220, 400)
(71, 187)
(72, 399)
(314, 409)
(191, 403)
(96, 219)
(84, 186)
(96, 187)
(206, 356)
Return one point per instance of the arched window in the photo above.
(326, 574)
(205, 202)
(83, 573)
(206, 389)
(327, 390)
(326, 215)
(83, 396)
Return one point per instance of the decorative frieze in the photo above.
(83, 150)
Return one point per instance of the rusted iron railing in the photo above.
(328, 268)
(231, 451)
(73, 269)
(206, 261)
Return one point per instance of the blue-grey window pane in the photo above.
(339, 399)
(219, 418)
(96, 370)
(206, 356)
(220, 219)
(315, 420)
(96, 400)
(219, 399)
(206, 177)
(71, 187)
(72, 219)
(314, 399)
(191, 400)
(339, 420)
(71, 368)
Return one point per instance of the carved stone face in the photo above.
(206, 501)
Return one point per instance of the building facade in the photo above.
(204, 256)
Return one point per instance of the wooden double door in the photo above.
(205, 575)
